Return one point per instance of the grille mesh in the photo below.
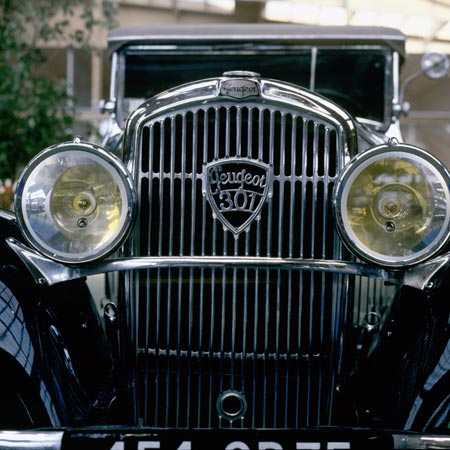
(269, 335)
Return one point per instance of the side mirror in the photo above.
(434, 65)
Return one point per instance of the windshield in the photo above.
(355, 78)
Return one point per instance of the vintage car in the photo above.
(275, 258)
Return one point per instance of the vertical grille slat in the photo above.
(271, 335)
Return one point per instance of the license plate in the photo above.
(309, 439)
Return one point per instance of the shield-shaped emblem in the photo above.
(237, 189)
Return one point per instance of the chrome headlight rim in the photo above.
(344, 183)
(107, 160)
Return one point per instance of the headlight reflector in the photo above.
(392, 205)
(75, 202)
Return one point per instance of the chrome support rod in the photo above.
(49, 272)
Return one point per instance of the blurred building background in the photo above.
(426, 23)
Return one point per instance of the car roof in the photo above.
(262, 33)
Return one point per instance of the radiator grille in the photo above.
(269, 335)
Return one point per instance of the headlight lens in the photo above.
(392, 205)
(75, 202)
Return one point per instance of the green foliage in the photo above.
(35, 110)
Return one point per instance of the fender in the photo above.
(26, 402)
(406, 378)
(25, 392)
(52, 336)
(430, 408)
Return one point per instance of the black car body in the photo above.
(275, 256)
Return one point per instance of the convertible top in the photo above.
(265, 33)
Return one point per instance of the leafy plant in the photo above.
(35, 109)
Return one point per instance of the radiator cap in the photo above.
(241, 74)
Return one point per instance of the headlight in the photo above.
(391, 205)
(75, 202)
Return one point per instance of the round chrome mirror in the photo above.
(435, 65)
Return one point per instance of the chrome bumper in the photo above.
(116, 438)
(36, 440)
(426, 276)
(420, 441)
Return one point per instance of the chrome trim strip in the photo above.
(37, 440)
(7, 215)
(46, 271)
(113, 87)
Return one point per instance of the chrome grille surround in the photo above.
(271, 339)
